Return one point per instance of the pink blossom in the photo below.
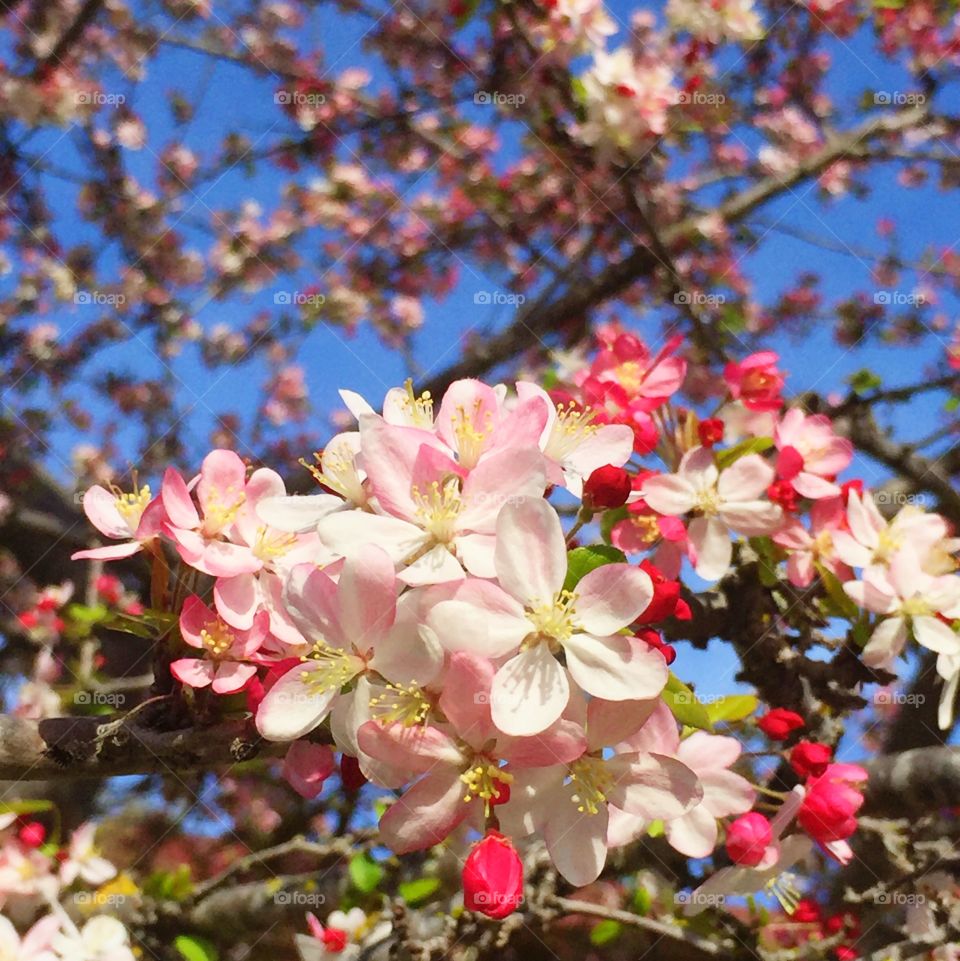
(756, 381)
(135, 519)
(811, 454)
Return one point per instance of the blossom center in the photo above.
(131, 506)
(418, 409)
(557, 618)
(709, 501)
(329, 668)
(471, 430)
(217, 638)
(916, 606)
(271, 544)
(486, 781)
(400, 703)
(573, 425)
(438, 508)
(591, 777)
(220, 510)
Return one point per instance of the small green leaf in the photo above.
(25, 807)
(194, 948)
(752, 445)
(83, 614)
(731, 707)
(418, 891)
(582, 560)
(604, 932)
(609, 518)
(655, 829)
(365, 873)
(684, 705)
(642, 901)
(864, 381)
(844, 605)
(952, 404)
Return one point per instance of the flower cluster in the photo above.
(39, 880)
(428, 614)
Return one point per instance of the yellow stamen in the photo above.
(484, 781)
(593, 779)
(438, 508)
(555, 619)
(404, 703)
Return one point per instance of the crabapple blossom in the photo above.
(810, 453)
(723, 500)
(748, 838)
(493, 877)
(136, 519)
(530, 618)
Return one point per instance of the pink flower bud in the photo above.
(831, 803)
(748, 838)
(493, 877)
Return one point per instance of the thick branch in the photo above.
(914, 782)
(80, 747)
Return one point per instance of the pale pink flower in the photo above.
(570, 803)
(34, 945)
(135, 519)
(461, 769)
(808, 548)
(723, 500)
(354, 630)
(811, 454)
(102, 938)
(201, 536)
(83, 859)
(709, 757)
(529, 618)
(436, 517)
(909, 600)
(574, 443)
(872, 540)
(225, 665)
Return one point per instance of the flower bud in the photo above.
(493, 877)
(32, 834)
(606, 487)
(748, 838)
(828, 811)
(710, 431)
(809, 759)
(779, 723)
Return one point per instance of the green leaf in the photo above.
(731, 707)
(126, 624)
(604, 932)
(169, 885)
(952, 404)
(684, 705)
(864, 381)
(609, 518)
(642, 901)
(25, 807)
(844, 605)
(83, 614)
(655, 829)
(194, 948)
(365, 873)
(582, 560)
(752, 445)
(418, 891)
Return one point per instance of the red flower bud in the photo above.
(351, 776)
(807, 912)
(666, 596)
(32, 834)
(748, 838)
(779, 723)
(809, 759)
(606, 487)
(848, 487)
(493, 877)
(710, 431)
(828, 811)
(781, 492)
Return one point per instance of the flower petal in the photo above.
(529, 692)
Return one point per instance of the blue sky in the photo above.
(234, 99)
